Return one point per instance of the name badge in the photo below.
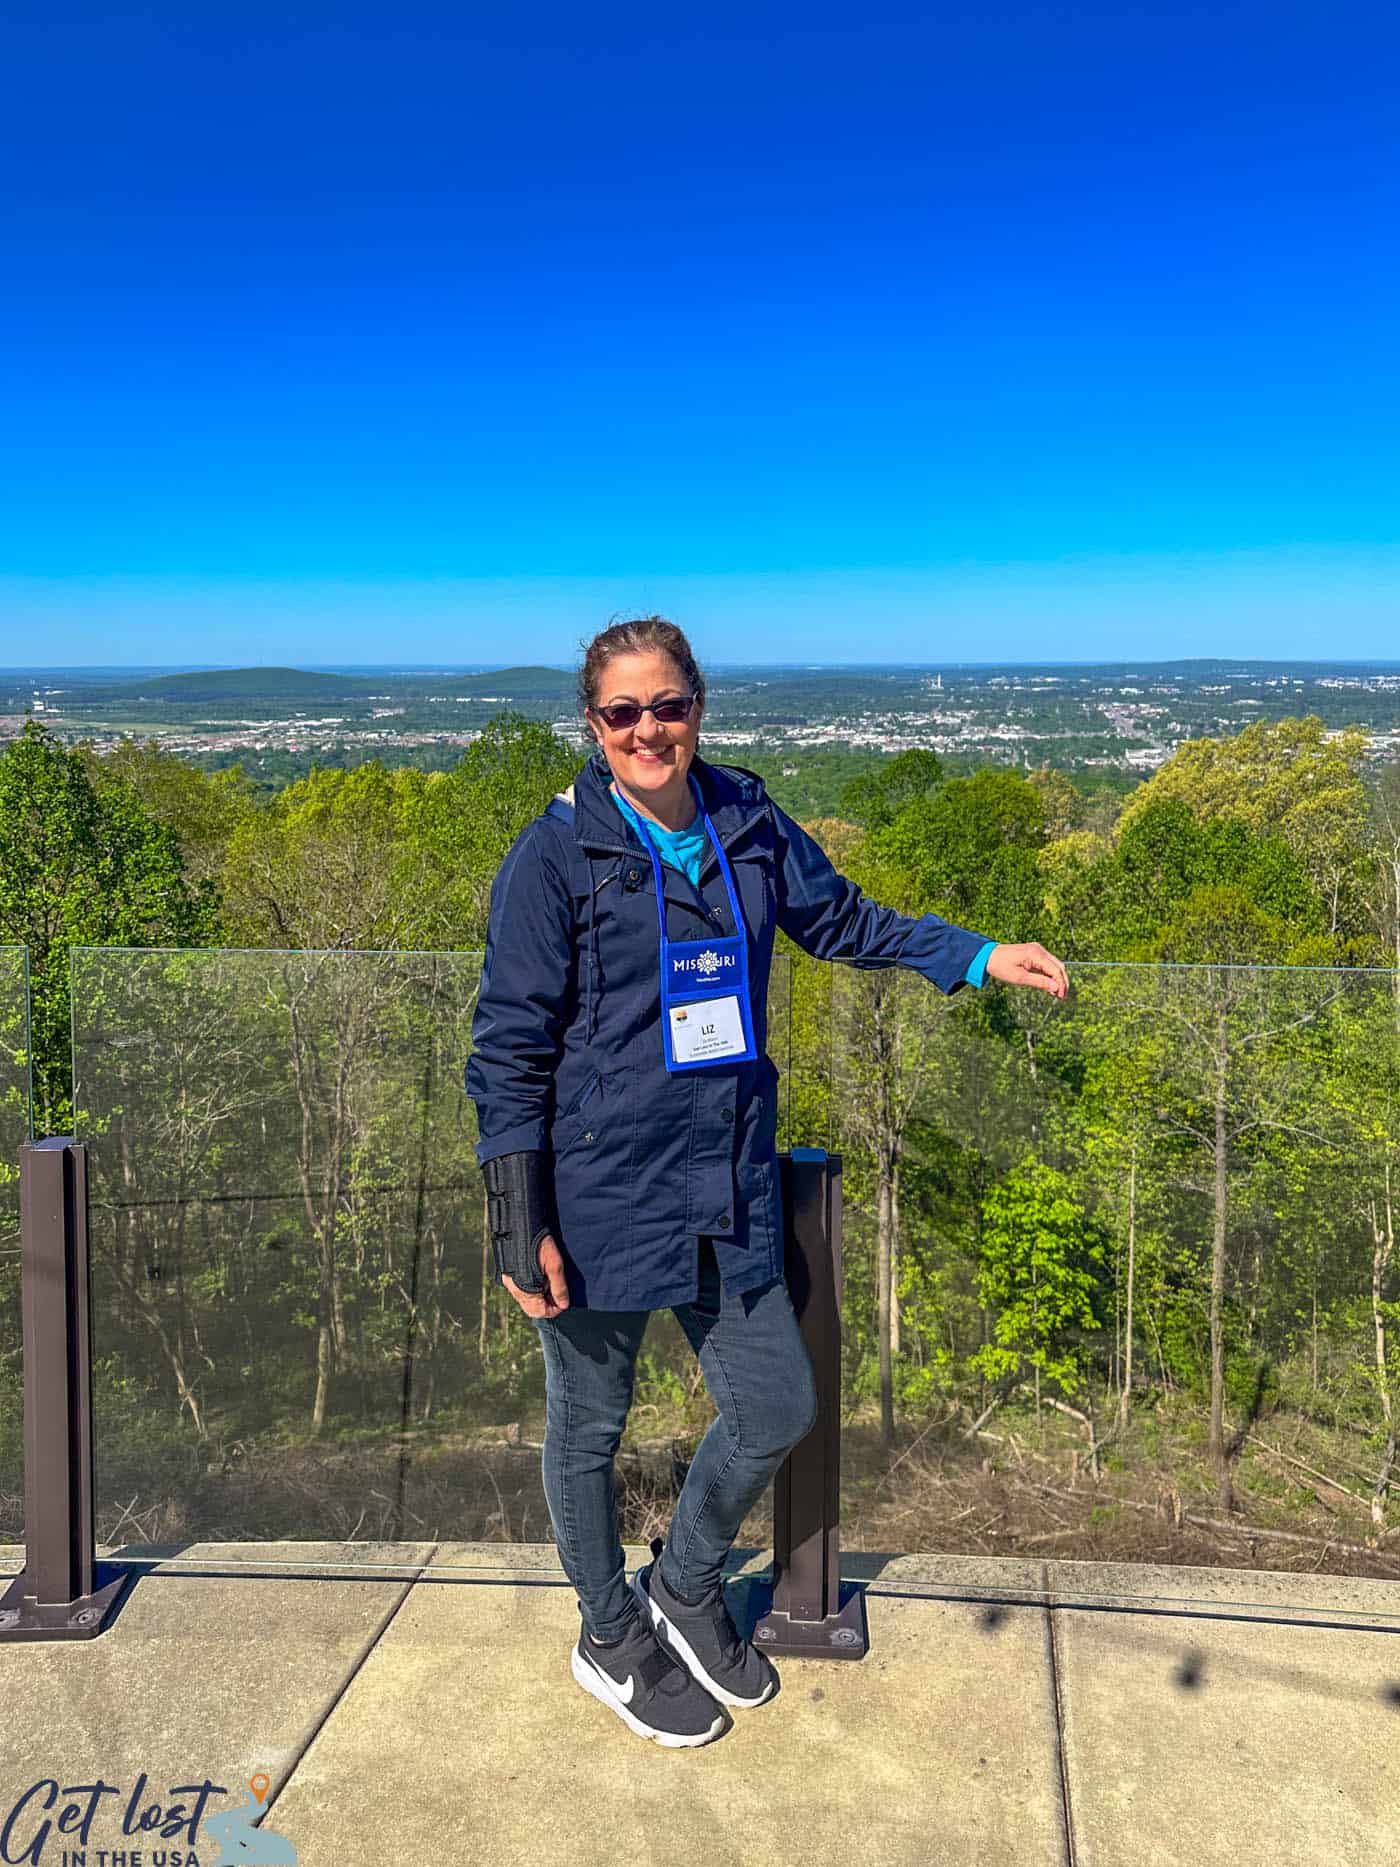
(706, 1017)
(707, 1029)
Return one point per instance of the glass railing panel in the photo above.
(15, 1118)
(1143, 1282)
(1110, 1334)
(15, 1104)
(298, 1334)
(285, 1226)
(808, 1104)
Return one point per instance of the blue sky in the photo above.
(899, 332)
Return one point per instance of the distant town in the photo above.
(1125, 718)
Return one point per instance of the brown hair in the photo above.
(637, 637)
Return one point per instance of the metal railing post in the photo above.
(811, 1616)
(63, 1592)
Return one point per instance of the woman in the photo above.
(627, 1114)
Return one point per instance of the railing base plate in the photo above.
(840, 1636)
(82, 1619)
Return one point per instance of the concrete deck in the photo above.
(1007, 1712)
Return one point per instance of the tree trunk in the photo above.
(323, 1372)
(1218, 1455)
(319, 1206)
(340, 1133)
(128, 1268)
(884, 1234)
(894, 1261)
(1124, 1398)
(1161, 1358)
(1383, 1235)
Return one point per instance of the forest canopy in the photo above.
(1163, 1214)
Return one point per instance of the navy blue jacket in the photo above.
(567, 1049)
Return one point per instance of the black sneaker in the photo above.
(649, 1691)
(705, 1640)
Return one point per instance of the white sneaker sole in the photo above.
(686, 1654)
(597, 1683)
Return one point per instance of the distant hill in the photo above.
(244, 684)
(294, 686)
(522, 682)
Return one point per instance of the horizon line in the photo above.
(500, 667)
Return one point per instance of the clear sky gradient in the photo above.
(902, 332)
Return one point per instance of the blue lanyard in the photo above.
(724, 870)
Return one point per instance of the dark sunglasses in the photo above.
(624, 713)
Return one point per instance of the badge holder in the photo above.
(706, 1016)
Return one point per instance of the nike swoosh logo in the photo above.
(623, 1692)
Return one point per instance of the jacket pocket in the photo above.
(579, 1122)
(768, 1080)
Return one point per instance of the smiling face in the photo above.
(651, 759)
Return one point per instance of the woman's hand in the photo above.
(1028, 964)
(556, 1299)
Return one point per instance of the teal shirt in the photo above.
(685, 850)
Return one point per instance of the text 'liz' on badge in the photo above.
(707, 1028)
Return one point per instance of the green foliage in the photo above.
(82, 866)
(658, 1384)
(969, 851)
(202, 808)
(1177, 887)
(465, 822)
(1283, 780)
(874, 799)
(1035, 1144)
(373, 858)
(1039, 1272)
(1252, 1377)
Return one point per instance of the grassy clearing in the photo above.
(1016, 1487)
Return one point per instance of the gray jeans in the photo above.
(760, 1379)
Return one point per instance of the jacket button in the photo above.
(634, 876)
(722, 1222)
(726, 1115)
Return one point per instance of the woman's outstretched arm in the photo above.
(829, 917)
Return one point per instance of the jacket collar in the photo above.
(732, 799)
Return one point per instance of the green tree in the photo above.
(1227, 1059)
(1289, 779)
(202, 808)
(1385, 887)
(1061, 801)
(82, 866)
(463, 822)
(1363, 1091)
(970, 852)
(887, 1026)
(330, 863)
(1178, 888)
(874, 799)
(1040, 1273)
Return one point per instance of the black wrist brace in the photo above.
(518, 1207)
